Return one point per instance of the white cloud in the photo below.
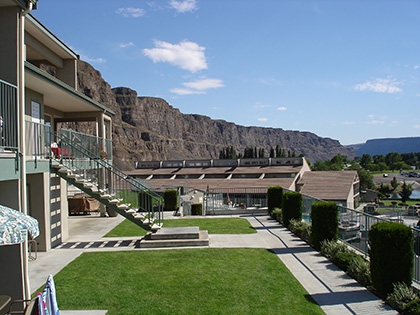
(262, 119)
(375, 122)
(204, 84)
(186, 55)
(183, 6)
(380, 86)
(416, 67)
(281, 108)
(417, 126)
(92, 60)
(131, 12)
(198, 86)
(181, 91)
(125, 45)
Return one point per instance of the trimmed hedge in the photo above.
(274, 198)
(391, 255)
(292, 207)
(171, 199)
(197, 209)
(324, 218)
(276, 214)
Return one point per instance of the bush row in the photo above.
(391, 253)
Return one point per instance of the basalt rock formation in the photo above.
(148, 128)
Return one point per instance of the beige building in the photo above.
(228, 176)
(342, 187)
(38, 91)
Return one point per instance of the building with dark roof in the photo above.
(227, 176)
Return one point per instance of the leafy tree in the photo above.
(272, 152)
(381, 166)
(320, 166)
(394, 183)
(337, 163)
(366, 179)
(365, 161)
(401, 166)
(391, 159)
(278, 151)
(379, 159)
(384, 189)
(405, 192)
(228, 153)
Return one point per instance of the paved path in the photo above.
(330, 287)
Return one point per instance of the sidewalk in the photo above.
(329, 286)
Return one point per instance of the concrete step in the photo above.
(191, 232)
(202, 241)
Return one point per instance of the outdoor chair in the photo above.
(24, 307)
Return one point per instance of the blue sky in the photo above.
(346, 70)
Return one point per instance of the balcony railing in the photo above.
(38, 141)
(354, 228)
(8, 117)
(96, 146)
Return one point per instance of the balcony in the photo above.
(43, 144)
(8, 117)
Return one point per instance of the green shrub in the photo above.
(351, 262)
(301, 229)
(276, 214)
(170, 197)
(359, 270)
(391, 255)
(330, 248)
(274, 198)
(324, 217)
(412, 308)
(292, 207)
(196, 209)
(343, 259)
(400, 296)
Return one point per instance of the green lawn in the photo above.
(184, 281)
(212, 225)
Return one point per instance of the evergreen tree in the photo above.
(405, 192)
(394, 183)
(278, 151)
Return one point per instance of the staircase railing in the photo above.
(89, 157)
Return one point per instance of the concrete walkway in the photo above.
(329, 286)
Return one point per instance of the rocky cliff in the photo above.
(387, 145)
(148, 128)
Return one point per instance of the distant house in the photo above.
(223, 175)
(341, 187)
(369, 195)
(227, 176)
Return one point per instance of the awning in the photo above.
(15, 226)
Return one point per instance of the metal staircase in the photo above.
(83, 162)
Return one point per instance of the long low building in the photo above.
(228, 175)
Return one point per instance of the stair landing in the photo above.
(175, 237)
